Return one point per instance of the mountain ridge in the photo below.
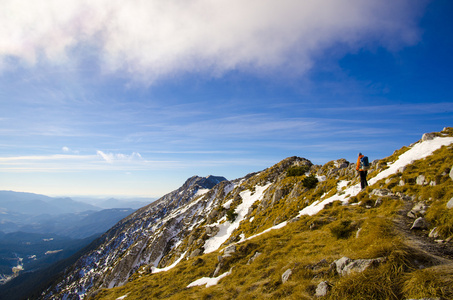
(192, 222)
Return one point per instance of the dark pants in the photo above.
(363, 182)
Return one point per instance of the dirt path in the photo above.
(435, 253)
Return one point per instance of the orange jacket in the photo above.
(358, 163)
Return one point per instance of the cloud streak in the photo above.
(112, 157)
(75, 163)
(156, 39)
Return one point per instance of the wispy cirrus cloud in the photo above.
(73, 162)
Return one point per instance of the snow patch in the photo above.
(227, 228)
(208, 281)
(278, 226)
(201, 192)
(157, 270)
(321, 178)
(227, 204)
(342, 184)
(418, 151)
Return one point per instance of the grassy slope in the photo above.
(329, 235)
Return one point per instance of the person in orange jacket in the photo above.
(362, 173)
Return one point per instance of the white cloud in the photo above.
(154, 39)
(111, 157)
(69, 150)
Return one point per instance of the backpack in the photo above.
(364, 163)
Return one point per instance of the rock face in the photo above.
(143, 238)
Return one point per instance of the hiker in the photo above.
(362, 167)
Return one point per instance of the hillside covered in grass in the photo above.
(293, 231)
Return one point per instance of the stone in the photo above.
(378, 202)
(195, 252)
(421, 180)
(450, 204)
(229, 250)
(428, 136)
(341, 263)
(360, 265)
(381, 192)
(343, 165)
(402, 169)
(357, 234)
(255, 256)
(405, 197)
(345, 265)
(434, 233)
(286, 275)
(278, 194)
(323, 289)
(419, 224)
(451, 173)
(212, 230)
(418, 210)
(217, 269)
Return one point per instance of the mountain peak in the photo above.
(207, 182)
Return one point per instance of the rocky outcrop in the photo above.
(143, 238)
(345, 266)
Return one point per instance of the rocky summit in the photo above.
(293, 231)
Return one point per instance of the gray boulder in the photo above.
(421, 180)
(419, 224)
(345, 265)
(428, 136)
(229, 250)
(323, 289)
(418, 210)
(195, 252)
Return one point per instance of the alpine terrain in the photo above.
(293, 231)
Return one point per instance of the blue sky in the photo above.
(130, 99)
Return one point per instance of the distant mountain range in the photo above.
(37, 231)
(36, 213)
